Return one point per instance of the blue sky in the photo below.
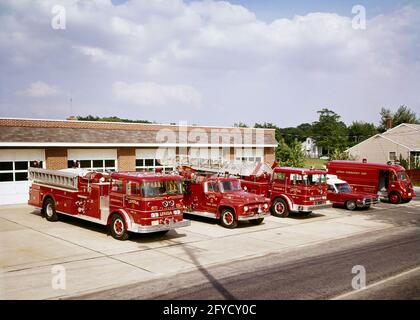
(209, 62)
(269, 10)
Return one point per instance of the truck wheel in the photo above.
(49, 210)
(118, 228)
(395, 198)
(351, 205)
(279, 208)
(256, 221)
(228, 220)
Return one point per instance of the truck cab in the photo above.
(222, 198)
(340, 193)
(298, 189)
(152, 201)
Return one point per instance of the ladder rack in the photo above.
(63, 179)
(243, 168)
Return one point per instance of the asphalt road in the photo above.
(324, 271)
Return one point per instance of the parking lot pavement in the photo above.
(93, 260)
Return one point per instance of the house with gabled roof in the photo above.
(402, 140)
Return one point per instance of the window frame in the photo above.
(389, 156)
(16, 172)
(103, 168)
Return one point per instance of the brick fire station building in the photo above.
(111, 146)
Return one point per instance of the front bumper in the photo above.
(308, 208)
(362, 204)
(137, 228)
(255, 216)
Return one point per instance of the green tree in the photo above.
(340, 155)
(402, 115)
(329, 132)
(301, 132)
(359, 131)
(290, 156)
(240, 124)
(109, 119)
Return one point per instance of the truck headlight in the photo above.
(265, 205)
(311, 199)
(246, 208)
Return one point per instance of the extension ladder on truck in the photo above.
(57, 178)
(244, 168)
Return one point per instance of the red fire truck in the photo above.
(289, 189)
(221, 197)
(126, 202)
(390, 181)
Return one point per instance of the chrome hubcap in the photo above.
(118, 226)
(279, 208)
(228, 218)
(49, 210)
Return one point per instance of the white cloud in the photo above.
(257, 70)
(40, 89)
(151, 94)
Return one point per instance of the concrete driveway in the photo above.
(32, 248)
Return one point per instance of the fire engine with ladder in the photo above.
(289, 189)
(124, 201)
(220, 197)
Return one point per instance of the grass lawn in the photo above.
(317, 163)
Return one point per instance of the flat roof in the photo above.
(144, 176)
(299, 170)
(396, 167)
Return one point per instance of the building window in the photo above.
(249, 155)
(392, 156)
(148, 164)
(97, 165)
(16, 170)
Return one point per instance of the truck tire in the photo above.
(227, 219)
(118, 227)
(279, 208)
(256, 221)
(351, 205)
(394, 198)
(48, 210)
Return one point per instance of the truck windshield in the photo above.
(230, 185)
(159, 188)
(343, 187)
(401, 175)
(312, 179)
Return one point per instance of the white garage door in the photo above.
(96, 159)
(14, 184)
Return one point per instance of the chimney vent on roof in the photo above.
(388, 123)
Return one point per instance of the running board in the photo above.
(202, 214)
